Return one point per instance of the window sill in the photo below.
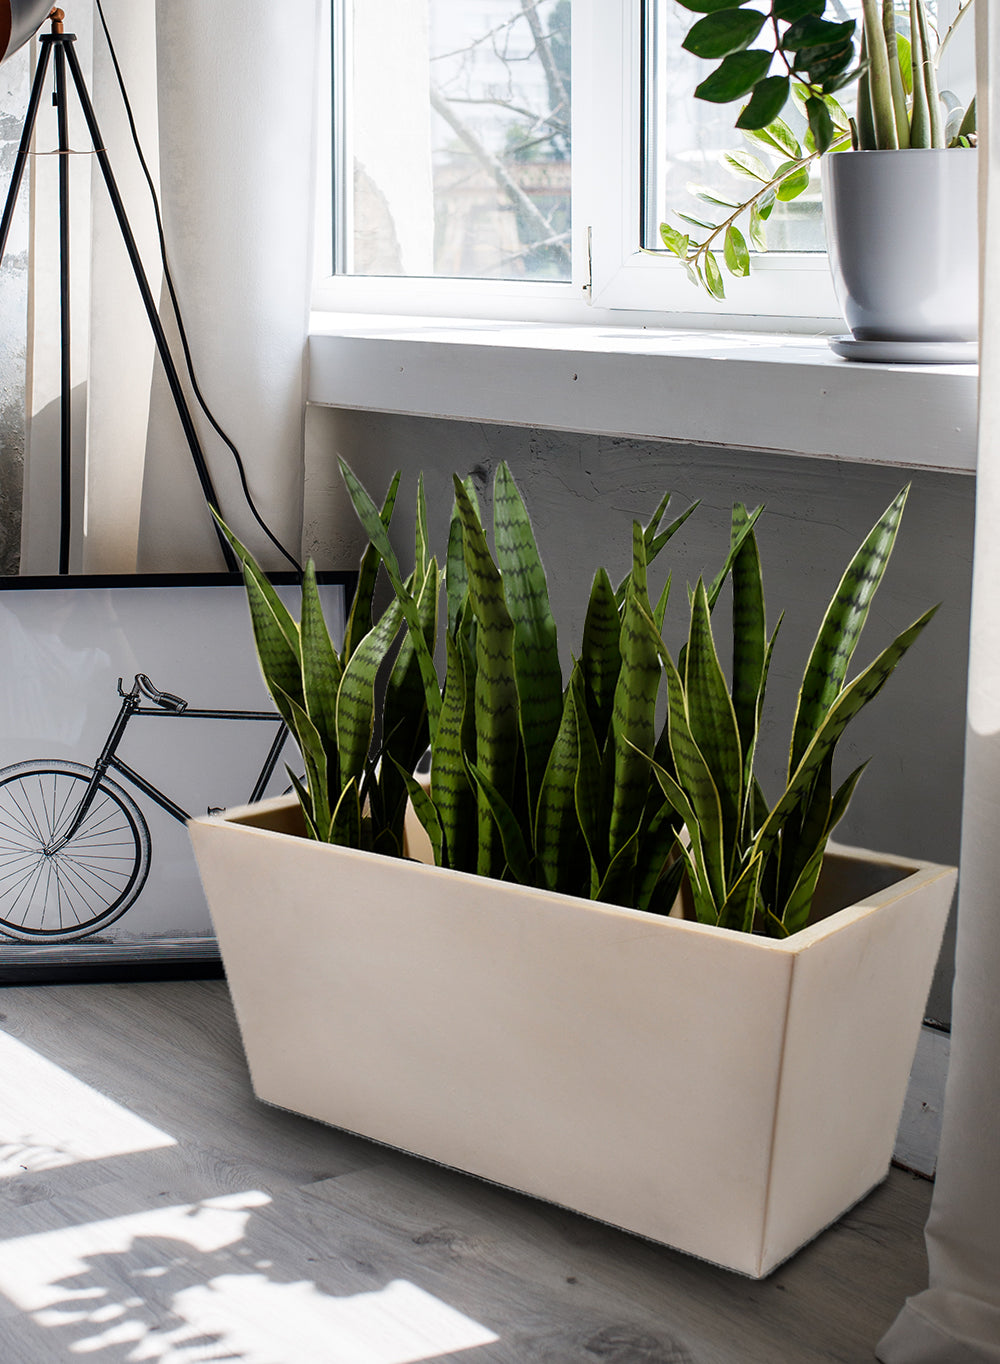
(745, 390)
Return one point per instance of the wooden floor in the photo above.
(152, 1210)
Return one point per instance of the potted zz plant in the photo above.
(626, 951)
(901, 229)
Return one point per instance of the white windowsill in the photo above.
(743, 390)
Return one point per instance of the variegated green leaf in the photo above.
(536, 652)
(656, 845)
(356, 697)
(279, 656)
(749, 631)
(424, 809)
(496, 700)
(799, 904)
(841, 628)
(321, 667)
(557, 827)
(359, 620)
(517, 857)
(422, 551)
(451, 790)
(739, 535)
(345, 823)
(852, 699)
(618, 884)
(706, 907)
(633, 720)
(695, 779)
(306, 803)
(371, 520)
(317, 771)
(600, 655)
(711, 718)
(741, 903)
(587, 794)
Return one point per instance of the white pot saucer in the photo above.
(906, 352)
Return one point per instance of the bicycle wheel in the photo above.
(58, 896)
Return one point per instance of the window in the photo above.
(514, 158)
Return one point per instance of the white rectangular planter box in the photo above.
(727, 1095)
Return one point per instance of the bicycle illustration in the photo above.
(74, 846)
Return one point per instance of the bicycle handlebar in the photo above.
(164, 699)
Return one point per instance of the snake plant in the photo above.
(752, 865)
(581, 785)
(352, 793)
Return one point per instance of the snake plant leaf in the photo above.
(587, 791)
(277, 607)
(600, 654)
(557, 826)
(805, 830)
(796, 910)
(317, 769)
(854, 697)
(711, 717)
(356, 697)
(305, 803)
(345, 823)
(359, 621)
(749, 632)
(653, 854)
(740, 907)
(404, 704)
(617, 884)
(280, 659)
(425, 811)
(496, 698)
(536, 653)
(735, 545)
(695, 778)
(451, 790)
(841, 628)
(321, 667)
(456, 575)
(655, 539)
(371, 520)
(421, 552)
(660, 609)
(515, 850)
(694, 853)
(634, 713)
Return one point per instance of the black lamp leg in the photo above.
(21, 160)
(65, 331)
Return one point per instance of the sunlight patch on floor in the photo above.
(178, 1286)
(79, 1123)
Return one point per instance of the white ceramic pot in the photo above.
(901, 231)
(725, 1094)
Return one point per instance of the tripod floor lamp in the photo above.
(19, 20)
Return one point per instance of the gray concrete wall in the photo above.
(14, 84)
(583, 492)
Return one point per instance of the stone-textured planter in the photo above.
(901, 230)
(728, 1095)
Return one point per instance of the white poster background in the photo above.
(63, 649)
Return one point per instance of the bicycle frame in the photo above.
(167, 708)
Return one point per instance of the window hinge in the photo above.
(588, 288)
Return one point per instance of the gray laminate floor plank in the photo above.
(152, 1209)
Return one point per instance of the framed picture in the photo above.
(127, 704)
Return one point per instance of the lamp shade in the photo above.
(19, 20)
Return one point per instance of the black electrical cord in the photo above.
(175, 305)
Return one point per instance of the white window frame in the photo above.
(614, 282)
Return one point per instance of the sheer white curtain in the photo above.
(225, 104)
(957, 1319)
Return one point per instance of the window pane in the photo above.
(457, 145)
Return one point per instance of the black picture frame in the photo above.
(127, 902)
